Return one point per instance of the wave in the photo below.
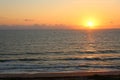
(81, 52)
(63, 59)
(8, 67)
(12, 60)
(109, 51)
(34, 53)
(99, 51)
(65, 53)
(10, 54)
(96, 59)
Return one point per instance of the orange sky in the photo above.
(103, 13)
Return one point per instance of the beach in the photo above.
(112, 75)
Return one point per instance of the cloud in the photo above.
(27, 20)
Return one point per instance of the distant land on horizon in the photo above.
(44, 26)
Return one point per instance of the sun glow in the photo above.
(91, 24)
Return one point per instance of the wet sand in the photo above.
(112, 75)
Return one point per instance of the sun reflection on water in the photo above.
(90, 45)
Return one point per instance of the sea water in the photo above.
(25, 51)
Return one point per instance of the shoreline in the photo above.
(59, 74)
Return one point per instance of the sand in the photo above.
(112, 75)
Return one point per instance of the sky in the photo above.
(74, 13)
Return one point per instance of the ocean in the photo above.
(32, 51)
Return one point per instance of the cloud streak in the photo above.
(28, 20)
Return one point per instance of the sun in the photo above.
(90, 24)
